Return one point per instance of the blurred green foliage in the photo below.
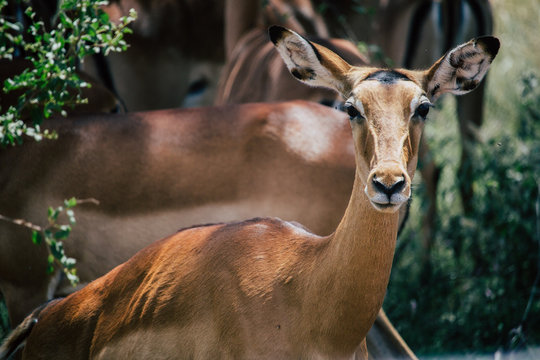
(80, 29)
(481, 291)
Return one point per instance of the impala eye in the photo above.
(423, 109)
(352, 111)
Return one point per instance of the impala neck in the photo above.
(355, 268)
(364, 235)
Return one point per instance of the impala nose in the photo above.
(389, 188)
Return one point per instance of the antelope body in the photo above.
(268, 288)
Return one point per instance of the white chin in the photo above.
(386, 208)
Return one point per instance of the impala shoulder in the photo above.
(308, 130)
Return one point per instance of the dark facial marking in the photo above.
(465, 84)
(276, 33)
(490, 44)
(303, 74)
(435, 89)
(387, 77)
(457, 61)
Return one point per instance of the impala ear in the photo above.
(311, 63)
(461, 69)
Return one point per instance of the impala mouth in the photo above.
(386, 207)
(382, 202)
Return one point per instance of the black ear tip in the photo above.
(490, 43)
(276, 33)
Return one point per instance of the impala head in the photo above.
(387, 108)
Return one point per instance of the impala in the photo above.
(268, 288)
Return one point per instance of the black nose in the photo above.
(389, 190)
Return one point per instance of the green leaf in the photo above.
(50, 264)
(70, 203)
(53, 213)
(62, 234)
(48, 235)
(37, 238)
(103, 16)
(30, 12)
(57, 249)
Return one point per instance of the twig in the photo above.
(21, 222)
(31, 226)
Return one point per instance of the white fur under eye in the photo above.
(416, 102)
(358, 105)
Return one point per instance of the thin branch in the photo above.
(31, 226)
(21, 222)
